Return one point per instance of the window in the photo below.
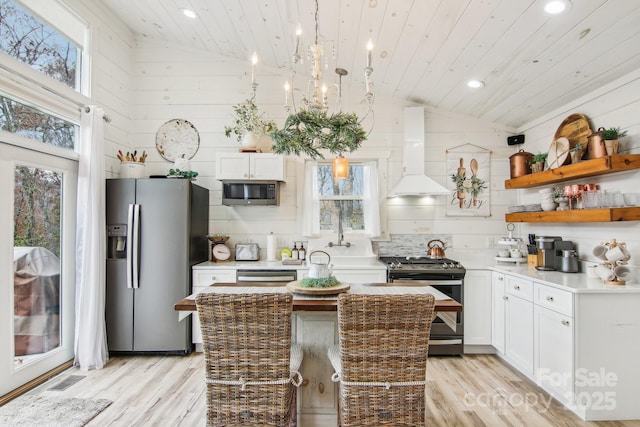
(354, 199)
(31, 123)
(29, 40)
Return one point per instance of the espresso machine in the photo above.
(546, 252)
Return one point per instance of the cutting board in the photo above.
(576, 129)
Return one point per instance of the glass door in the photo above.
(37, 263)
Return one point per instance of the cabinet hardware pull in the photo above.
(550, 299)
(505, 298)
(501, 278)
(321, 387)
(516, 287)
(565, 322)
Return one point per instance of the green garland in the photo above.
(309, 132)
(325, 282)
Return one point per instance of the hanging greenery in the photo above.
(309, 132)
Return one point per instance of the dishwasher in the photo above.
(273, 277)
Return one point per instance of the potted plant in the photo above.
(537, 162)
(576, 153)
(249, 124)
(610, 137)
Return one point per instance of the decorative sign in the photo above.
(468, 172)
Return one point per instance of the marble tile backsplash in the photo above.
(412, 245)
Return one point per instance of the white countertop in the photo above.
(573, 282)
(277, 265)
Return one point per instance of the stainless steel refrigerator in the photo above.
(156, 231)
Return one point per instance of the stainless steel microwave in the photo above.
(251, 193)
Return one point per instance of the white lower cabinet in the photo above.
(519, 334)
(581, 348)
(318, 395)
(553, 360)
(519, 324)
(201, 279)
(477, 307)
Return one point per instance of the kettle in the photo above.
(436, 250)
(319, 270)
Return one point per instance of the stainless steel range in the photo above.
(445, 275)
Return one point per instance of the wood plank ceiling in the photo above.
(425, 50)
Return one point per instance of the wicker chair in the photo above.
(381, 361)
(251, 365)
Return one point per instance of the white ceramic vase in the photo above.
(250, 140)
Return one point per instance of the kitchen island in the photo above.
(315, 327)
(306, 302)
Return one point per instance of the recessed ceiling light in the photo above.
(555, 7)
(189, 13)
(475, 83)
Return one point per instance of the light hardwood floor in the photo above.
(474, 390)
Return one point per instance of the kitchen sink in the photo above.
(360, 252)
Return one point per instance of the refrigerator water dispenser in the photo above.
(117, 241)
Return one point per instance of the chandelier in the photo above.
(310, 127)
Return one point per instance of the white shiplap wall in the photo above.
(112, 47)
(613, 105)
(171, 82)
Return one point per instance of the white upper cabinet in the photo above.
(250, 166)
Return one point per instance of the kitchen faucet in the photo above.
(340, 233)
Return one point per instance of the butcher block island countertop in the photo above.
(325, 302)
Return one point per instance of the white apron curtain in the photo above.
(311, 202)
(90, 330)
(371, 202)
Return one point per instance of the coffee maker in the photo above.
(546, 252)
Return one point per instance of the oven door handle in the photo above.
(428, 282)
(444, 342)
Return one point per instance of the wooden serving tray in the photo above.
(576, 129)
(295, 287)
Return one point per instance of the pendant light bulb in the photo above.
(340, 168)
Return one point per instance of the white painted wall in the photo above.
(613, 105)
(112, 47)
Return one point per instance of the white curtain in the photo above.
(311, 202)
(371, 202)
(90, 330)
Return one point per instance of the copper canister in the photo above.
(595, 146)
(520, 163)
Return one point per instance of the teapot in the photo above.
(436, 250)
(319, 270)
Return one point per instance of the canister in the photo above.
(520, 163)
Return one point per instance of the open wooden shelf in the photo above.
(578, 215)
(584, 169)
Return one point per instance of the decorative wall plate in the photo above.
(176, 138)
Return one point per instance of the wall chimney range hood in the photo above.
(414, 182)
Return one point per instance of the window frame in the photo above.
(364, 155)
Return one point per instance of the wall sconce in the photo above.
(340, 168)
